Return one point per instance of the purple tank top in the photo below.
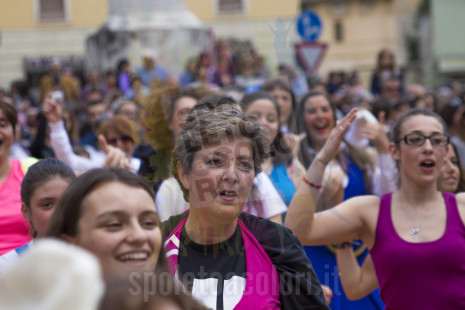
(428, 275)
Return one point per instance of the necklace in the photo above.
(413, 231)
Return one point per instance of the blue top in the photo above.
(147, 76)
(325, 264)
(282, 182)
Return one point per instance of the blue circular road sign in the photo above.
(309, 26)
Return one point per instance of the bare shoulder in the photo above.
(363, 202)
(364, 207)
(460, 197)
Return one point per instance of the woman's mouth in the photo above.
(427, 165)
(228, 195)
(133, 257)
(320, 127)
(451, 180)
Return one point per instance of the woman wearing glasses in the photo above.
(361, 281)
(117, 138)
(415, 234)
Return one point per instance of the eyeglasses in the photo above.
(417, 139)
(123, 139)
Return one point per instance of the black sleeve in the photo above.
(38, 148)
(170, 224)
(299, 285)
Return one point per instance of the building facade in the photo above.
(33, 31)
(355, 30)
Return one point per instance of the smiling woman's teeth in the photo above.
(133, 256)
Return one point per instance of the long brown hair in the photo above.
(351, 152)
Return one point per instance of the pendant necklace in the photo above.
(413, 231)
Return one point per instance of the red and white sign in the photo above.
(310, 55)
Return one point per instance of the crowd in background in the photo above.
(131, 118)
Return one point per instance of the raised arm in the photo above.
(341, 223)
(357, 281)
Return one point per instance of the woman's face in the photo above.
(119, 225)
(183, 106)
(285, 104)
(318, 119)
(43, 202)
(123, 142)
(420, 164)
(129, 109)
(386, 59)
(6, 136)
(266, 113)
(220, 179)
(450, 173)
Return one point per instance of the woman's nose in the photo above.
(136, 233)
(230, 173)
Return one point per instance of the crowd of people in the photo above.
(227, 187)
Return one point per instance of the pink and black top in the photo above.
(261, 266)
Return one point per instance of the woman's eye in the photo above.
(415, 140)
(271, 119)
(47, 205)
(311, 111)
(149, 223)
(245, 165)
(215, 162)
(113, 225)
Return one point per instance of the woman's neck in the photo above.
(415, 195)
(203, 231)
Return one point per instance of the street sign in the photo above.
(310, 55)
(309, 26)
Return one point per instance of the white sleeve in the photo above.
(7, 259)
(384, 177)
(64, 151)
(170, 200)
(271, 202)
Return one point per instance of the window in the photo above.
(51, 11)
(338, 31)
(230, 6)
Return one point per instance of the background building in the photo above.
(33, 31)
(423, 33)
(355, 30)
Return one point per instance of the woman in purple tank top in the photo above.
(358, 281)
(415, 235)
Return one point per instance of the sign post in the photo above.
(310, 53)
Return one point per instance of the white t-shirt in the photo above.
(12, 256)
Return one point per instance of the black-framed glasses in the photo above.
(124, 139)
(417, 139)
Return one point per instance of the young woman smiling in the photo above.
(111, 213)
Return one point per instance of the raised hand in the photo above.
(115, 156)
(53, 111)
(331, 147)
(376, 134)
